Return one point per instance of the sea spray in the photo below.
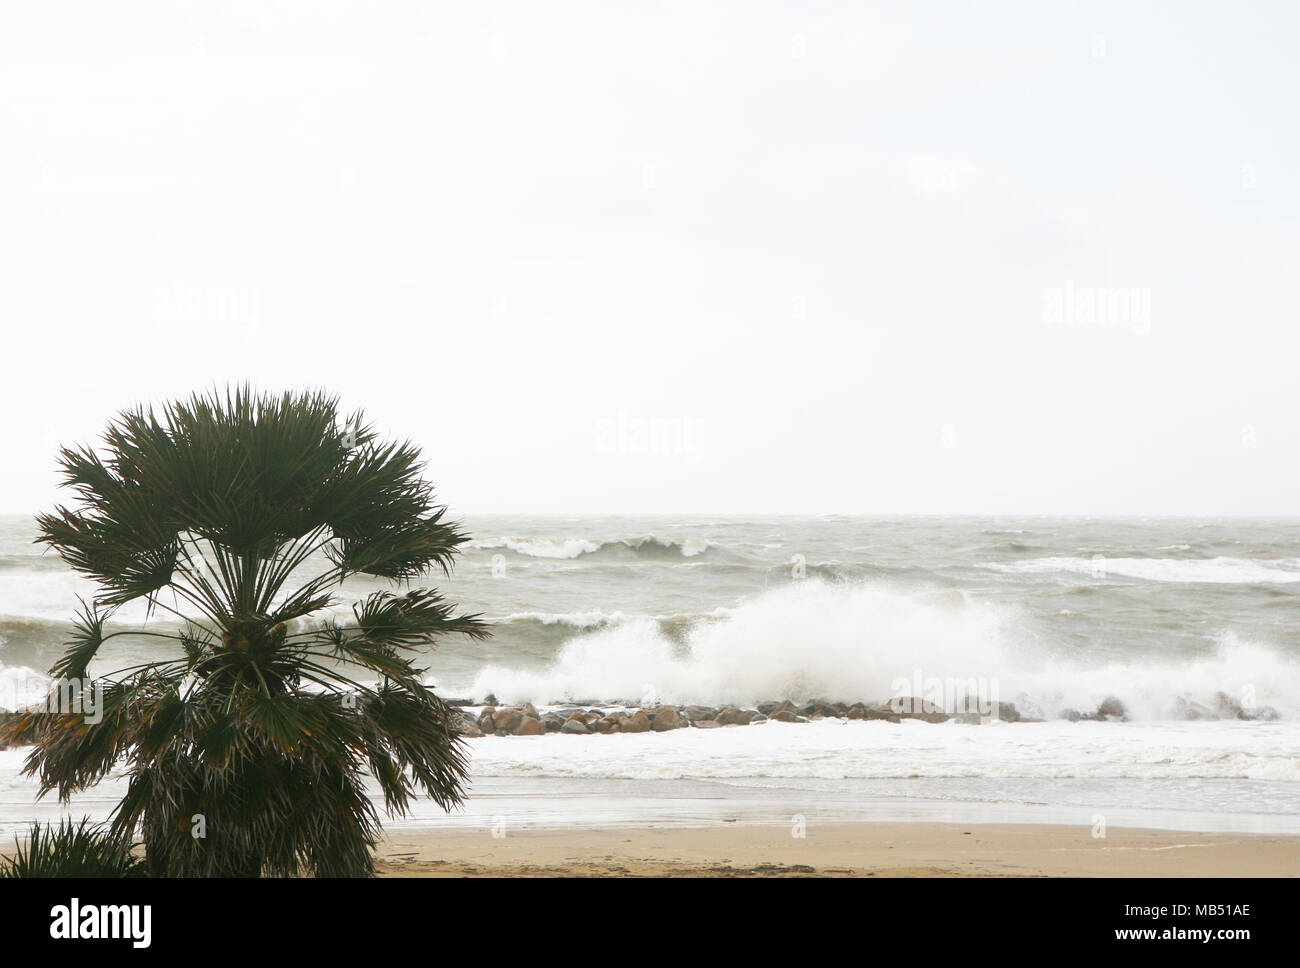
(851, 642)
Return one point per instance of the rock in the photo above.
(530, 726)
(1074, 716)
(575, 726)
(1227, 707)
(787, 716)
(666, 718)
(638, 722)
(768, 707)
(696, 713)
(508, 719)
(489, 700)
(912, 708)
(608, 724)
(486, 721)
(1005, 711)
(818, 708)
(930, 717)
(1268, 714)
(882, 711)
(731, 716)
(706, 724)
(856, 711)
(530, 710)
(468, 727)
(1110, 706)
(913, 705)
(552, 722)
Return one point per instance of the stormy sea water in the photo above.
(1178, 619)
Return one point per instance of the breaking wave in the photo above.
(850, 642)
(1216, 571)
(647, 546)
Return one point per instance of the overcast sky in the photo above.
(677, 257)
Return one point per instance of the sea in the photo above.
(1179, 619)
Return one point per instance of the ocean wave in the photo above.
(1215, 571)
(849, 642)
(647, 546)
(836, 751)
(672, 623)
(21, 687)
(579, 620)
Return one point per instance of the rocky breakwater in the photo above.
(582, 719)
(589, 718)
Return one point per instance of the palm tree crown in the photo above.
(236, 517)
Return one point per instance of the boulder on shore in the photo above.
(731, 716)
(530, 726)
(913, 707)
(1005, 711)
(575, 725)
(608, 724)
(465, 725)
(819, 708)
(666, 718)
(787, 716)
(638, 722)
(1229, 708)
(1111, 707)
(508, 719)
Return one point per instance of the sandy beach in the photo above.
(835, 850)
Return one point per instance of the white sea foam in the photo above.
(540, 547)
(597, 618)
(1217, 571)
(580, 620)
(21, 687)
(853, 641)
(835, 749)
(548, 547)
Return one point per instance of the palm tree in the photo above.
(238, 516)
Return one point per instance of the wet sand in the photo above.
(834, 850)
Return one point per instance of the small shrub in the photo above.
(82, 849)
